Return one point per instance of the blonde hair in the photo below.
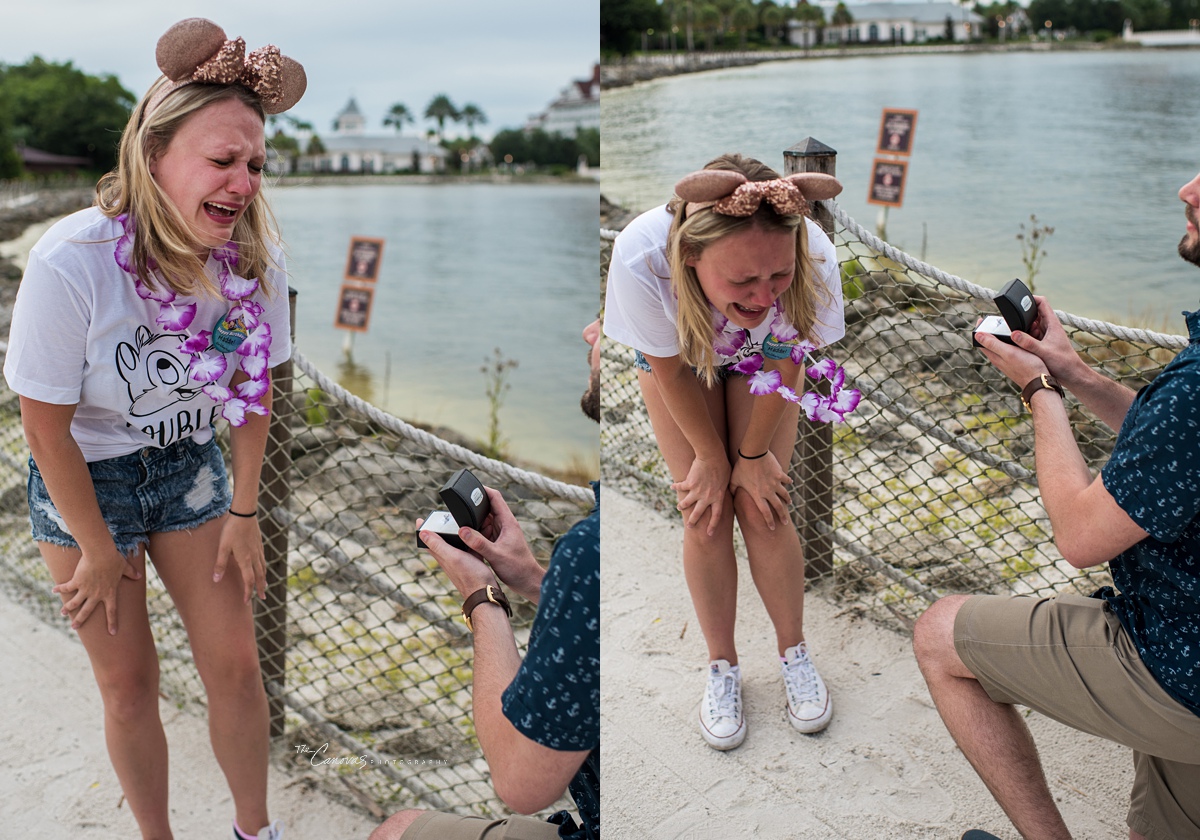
(163, 237)
(690, 235)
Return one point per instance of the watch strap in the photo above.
(488, 595)
(1045, 382)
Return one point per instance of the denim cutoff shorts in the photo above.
(639, 362)
(150, 491)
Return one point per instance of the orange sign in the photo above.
(896, 129)
(354, 307)
(362, 263)
(887, 182)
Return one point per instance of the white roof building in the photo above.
(351, 149)
(577, 107)
(894, 23)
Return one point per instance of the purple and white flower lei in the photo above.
(205, 363)
(818, 408)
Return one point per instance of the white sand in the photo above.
(57, 780)
(885, 767)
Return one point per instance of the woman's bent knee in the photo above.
(130, 696)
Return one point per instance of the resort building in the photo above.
(350, 149)
(894, 23)
(577, 107)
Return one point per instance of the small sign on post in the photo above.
(354, 308)
(896, 129)
(358, 291)
(887, 182)
(362, 262)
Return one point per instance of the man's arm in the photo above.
(527, 776)
(1089, 526)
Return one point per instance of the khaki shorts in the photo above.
(434, 825)
(1070, 659)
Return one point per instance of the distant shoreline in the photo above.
(319, 179)
(644, 68)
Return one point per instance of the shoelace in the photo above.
(722, 699)
(802, 680)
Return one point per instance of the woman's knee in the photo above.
(130, 693)
(234, 670)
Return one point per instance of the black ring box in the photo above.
(1018, 311)
(467, 506)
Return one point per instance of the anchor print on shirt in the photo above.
(159, 382)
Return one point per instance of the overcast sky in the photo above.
(509, 57)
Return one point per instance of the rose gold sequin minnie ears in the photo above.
(196, 50)
(731, 194)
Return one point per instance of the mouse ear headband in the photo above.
(196, 50)
(732, 194)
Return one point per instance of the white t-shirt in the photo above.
(640, 310)
(82, 336)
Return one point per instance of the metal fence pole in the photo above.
(812, 459)
(274, 491)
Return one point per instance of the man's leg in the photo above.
(395, 826)
(991, 735)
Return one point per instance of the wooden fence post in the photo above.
(812, 460)
(274, 491)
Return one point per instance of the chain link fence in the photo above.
(928, 489)
(363, 647)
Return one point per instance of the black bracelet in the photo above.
(233, 512)
(751, 457)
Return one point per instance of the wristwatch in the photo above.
(1045, 382)
(489, 594)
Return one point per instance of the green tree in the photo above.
(708, 21)
(1144, 15)
(841, 16)
(472, 115)
(772, 19)
(622, 23)
(811, 16)
(397, 116)
(587, 142)
(62, 110)
(742, 19)
(548, 150)
(1182, 13)
(440, 109)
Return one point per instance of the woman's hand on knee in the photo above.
(704, 489)
(766, 484)
(95, 582)
(241, 541)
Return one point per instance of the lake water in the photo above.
(1096, 144)
(466, 268)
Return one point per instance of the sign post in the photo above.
(357, 293)
(888, 174)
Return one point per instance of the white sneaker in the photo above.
(808, 704)
(274, 831)
(721, 721)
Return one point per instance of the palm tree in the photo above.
(440, 108)
(472, 115)
(812, 17)
(742, 19)
(708, 19)
(772, 18)
(397, 116)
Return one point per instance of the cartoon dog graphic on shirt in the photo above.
(157, 375)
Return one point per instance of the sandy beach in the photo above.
(885, 767)
(59, 782)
